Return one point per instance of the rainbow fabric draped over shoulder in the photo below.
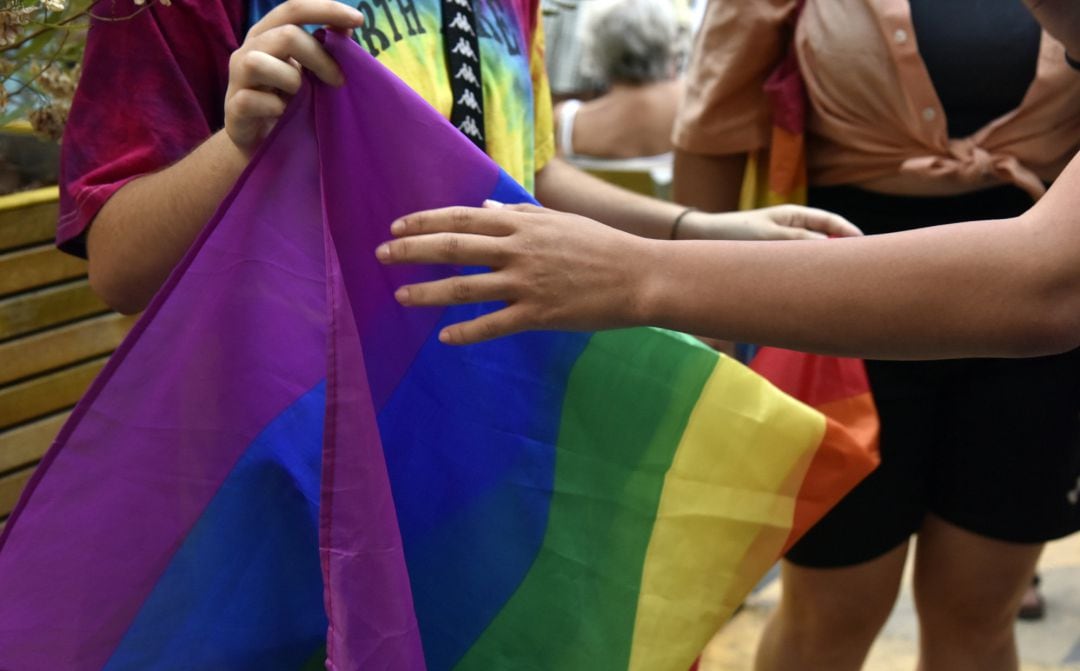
(777, 174)
(282, 467)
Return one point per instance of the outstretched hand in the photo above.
(264, 73)
(554, 270)
(780, 222)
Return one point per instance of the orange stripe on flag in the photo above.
(851, 436)
(787, 163)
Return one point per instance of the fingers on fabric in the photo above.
(488, 327)
(264, 73)
(470, 220)
(279, 34)
(814, 219)
(835, 225)
(794, 233)
(252, 104)
(284, 43)
(455, 248)
(309, 12)
(263, 70)
(458, 290)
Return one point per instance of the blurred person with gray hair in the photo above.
(630, 49)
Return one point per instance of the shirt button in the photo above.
(900, 36)
(929, 114)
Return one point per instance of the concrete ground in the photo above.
(1051, 644)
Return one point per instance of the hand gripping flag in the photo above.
(281, 466)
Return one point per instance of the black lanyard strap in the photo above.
(461, 46)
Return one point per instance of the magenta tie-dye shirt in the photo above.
(153, 87)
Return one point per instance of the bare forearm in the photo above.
(999, 288)
(994, 288)
(146, 227)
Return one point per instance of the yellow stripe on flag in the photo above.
(724, 514)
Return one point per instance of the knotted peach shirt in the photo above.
(875, 119)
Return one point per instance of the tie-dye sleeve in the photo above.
(545, 134)
(152, 88)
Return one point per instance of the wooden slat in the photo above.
(43, 308)
(10, 488)
(59, 347)
(638, 181)
(47, 394)
(27, 224)
(35, 267)
(27, 444)
(18, 127)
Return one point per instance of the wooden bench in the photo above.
(650, 175)
(55, 336)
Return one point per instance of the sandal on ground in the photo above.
(1033, 605)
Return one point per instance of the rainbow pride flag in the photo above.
(777, 174)
(281, 467)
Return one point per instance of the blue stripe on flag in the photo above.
(472, 480)
(510, 192)
(245, 590)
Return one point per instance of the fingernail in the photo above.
(402, 295)
(382, 252)
(492, 203)
(444, 336)
(397, 227)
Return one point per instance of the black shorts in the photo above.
(990, 445)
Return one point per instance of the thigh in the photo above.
(962, 577)
(1008, 464)
(844, 592)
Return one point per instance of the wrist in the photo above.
(715, 226)
(241, 142)
(232, 155)
(647, 279)
(679, 225)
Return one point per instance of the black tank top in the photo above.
(981, 56)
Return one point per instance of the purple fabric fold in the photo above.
(259, 312)
(236, 334)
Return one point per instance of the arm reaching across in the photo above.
(561, 186)
(1009, 287)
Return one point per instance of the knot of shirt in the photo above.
(969, 163)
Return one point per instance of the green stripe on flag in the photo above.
(628, 400)
(316, 662)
